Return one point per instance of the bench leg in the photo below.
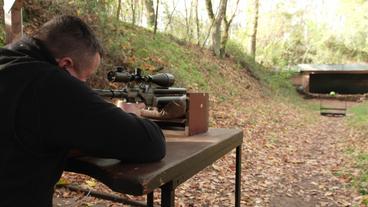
(150, 199)
(238, 176)
(168, 195)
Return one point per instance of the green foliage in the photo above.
(338, 52)
(170, 54)
(278, 81)
(2, 36)
(137, 47)
(236, 51)
(290, 34)
(359, 118)
(360, 180)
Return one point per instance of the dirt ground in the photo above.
(291, 157)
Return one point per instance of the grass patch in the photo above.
(159, 51)
(278, 82)
(357, 175)
(138, 48)
(360, 182)
(359, 118)
(359, 121)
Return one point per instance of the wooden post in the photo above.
(13, 20)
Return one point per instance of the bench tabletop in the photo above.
(185, 157)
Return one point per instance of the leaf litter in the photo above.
(290, 155)
(287, 160)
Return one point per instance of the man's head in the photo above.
(73, 44)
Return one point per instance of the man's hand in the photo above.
(134, 108)
(173, 110)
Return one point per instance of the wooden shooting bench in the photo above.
(186, 156)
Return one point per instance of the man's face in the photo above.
(80, 73)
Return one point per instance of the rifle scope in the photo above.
(161, 79)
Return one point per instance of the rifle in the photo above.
(154, 91)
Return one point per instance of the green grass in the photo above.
(159, 51)
(360, 182)
(139, 47)
(359, 118)
(278, 83)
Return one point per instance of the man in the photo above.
(46, 110)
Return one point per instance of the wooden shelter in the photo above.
(340, 78)
(13, 20)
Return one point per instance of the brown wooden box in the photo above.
(197, 114)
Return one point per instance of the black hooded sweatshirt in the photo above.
(45, 112)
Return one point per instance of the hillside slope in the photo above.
(194, 68)
(276, 129)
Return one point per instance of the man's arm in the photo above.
(74, 117)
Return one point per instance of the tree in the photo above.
(140, 11)
(133, 7)
(197, 21)
(156, 17)
(216, 22)
(169, 15)
(253, 37)
(225, 35)
(188, 20)
(150, 13)
(118, 10)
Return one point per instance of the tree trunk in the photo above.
(212, 18)
(211, 15)
(170, 16)
(197, 21)
(156, 17)
(140, 11)
(253, 38)
(224, 39)
(150, 13)
(118, 10)
(188, 20)
(225, 35)
(133, 7)
(216, 34)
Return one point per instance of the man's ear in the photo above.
(66, 63)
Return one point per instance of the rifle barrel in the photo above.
(170, 91)
(111, 93)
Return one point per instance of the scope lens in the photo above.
(115, 76)
(163, 79)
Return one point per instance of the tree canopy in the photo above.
(276, 33)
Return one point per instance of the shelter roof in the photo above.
(333, 67)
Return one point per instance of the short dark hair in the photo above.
(69, 36)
